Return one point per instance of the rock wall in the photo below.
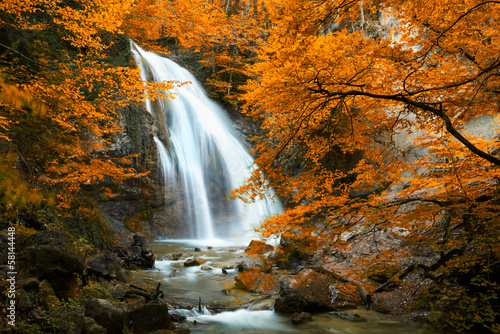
(139, 204)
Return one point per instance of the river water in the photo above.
(252, 313)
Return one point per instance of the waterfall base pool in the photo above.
(246, 313)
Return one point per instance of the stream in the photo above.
(190, 284)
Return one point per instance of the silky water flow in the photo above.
(201, 157)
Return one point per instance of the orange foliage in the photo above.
(366, 107)
(223, 33)
(59, 100)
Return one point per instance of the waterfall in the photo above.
(201, 158)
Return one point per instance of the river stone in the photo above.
(148, 318)
(205, 267)
(177, 264)
(107, 314)
(307, 292)
(261, 305)
(223, 265)
(243, 266)
(353, 317)
(300, 318)
(173, 256)
(259, 247)
(290, 304)
(194, 262)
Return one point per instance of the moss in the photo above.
(134, 223)
(86, 224)
(135, 123)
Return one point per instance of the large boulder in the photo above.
(309, 292)
(107, 314)
(196, 261)
(139, 255)
(48, 255)
(90, 326)
(148, 318)
(259, 247)
(293, 253)
(106, 266)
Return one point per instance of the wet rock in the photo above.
(291, 254)
(309, 293)
(197, 261)
(177, 317)
(139, 255)
(197, 249)
(173, 256)
(345, 305)
(262, 305)
(259, 247)
(223, 265)
(290, 303)
(243, 266)
(140, 240)
(177, 264)
(205, 267)
(353, 317)
(90, 326)
(148, 318)
(300, 318)
(107, 314)
(106, 266)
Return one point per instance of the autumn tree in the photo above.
(221, 36)
(367, 107)
(65, 73)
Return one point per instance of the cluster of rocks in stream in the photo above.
(304, 287)
(50, 272)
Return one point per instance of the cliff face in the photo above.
(136, 201)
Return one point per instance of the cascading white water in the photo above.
(202, 159)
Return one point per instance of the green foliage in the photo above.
(91, 290)
(470, 304)
(84, 221)
(19, 200)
